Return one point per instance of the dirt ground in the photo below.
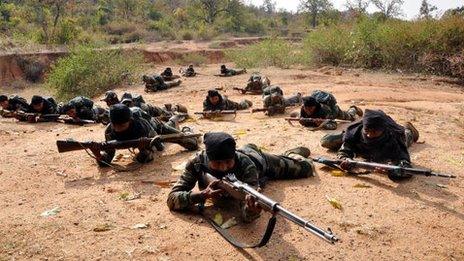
(379, 219)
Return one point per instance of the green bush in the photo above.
(271, 52)
(424, 45)
(328, 46)
(91, 72)
(163, 28)
(67, 32)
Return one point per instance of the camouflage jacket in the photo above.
(84, 108)
(180, 198)
(17, 103)
(49, 106)
(139, 128)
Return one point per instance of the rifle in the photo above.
(259, 110)
(239, 190)
(315, 119)
(217, 113)
(243, 91)
(372, 166)
(36, 117)
(72, 145)
(72, 121)
(7, 113)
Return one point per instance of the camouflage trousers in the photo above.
(349, 115)
(334, 141)
(160, 87)
(293, 100)
(169, 128)
(242, 105)
(290, 165)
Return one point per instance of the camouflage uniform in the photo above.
(168, 75)
(156, 83)
(17, 103)
(143, 125)
(49, 106)
(334, 141)
(274, 101)
(139, 128)
(87, 110)
(257, 83)
(252, 166)
(327, 112)
(189, 72)
(225, 104)
(231, 72)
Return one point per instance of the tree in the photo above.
(315, 8)
(269, 6)
(210, 9)
(426, 10)
(359, 6)
(389, 8)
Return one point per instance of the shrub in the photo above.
(186, 35)
(90, 72)
(120, 28)
(205, 33)
(163, 28)
(329, 45)
(67, 32)
(424, 45)
(271, 52)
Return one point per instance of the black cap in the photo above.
(310, 102)
(120, 113)
(110, 95)
(126, 97)
(374, 119)
(223, 66)
(213, 93)
(67, 107)
(36, 100)
(219, 146)
(3, 98)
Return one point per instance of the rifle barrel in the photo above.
(273, 206)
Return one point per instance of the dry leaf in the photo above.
(337, 173)
(218, 219)
(240, 133)
(229, 223)
(334, 202)
(102, 228)
(361, 185)
(51, 212)
(141, 226)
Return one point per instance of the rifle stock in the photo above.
(316, 119)
(243, 90)
(239, 190)
(373, 166)
(210, 113)
(72, 145)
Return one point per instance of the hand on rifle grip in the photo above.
(346, 164)
(211, 191)
(252, 204)
(156, 142)
(31, 118)
(94, 147)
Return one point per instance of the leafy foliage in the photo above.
(90, 72)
